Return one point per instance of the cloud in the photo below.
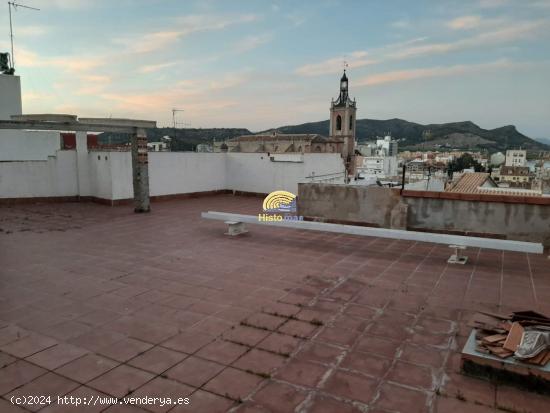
(205, 94)
(63, 4)
(439, 71)
(491, 4)
(149, 42)
(251, 42)
(158, 40)
(334, 65)
(156, 68)
(510, 33)
(73, 64)
(401, 24)
(540, 4)
(504, 33)
(465, 22)
(92, 84)
(31, 31)
(358, 58)
(296, 19)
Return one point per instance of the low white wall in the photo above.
(24, 145)
(255, 172)
(121, 174)
(100, 174)
(185, 172)
(28, 179)
(109, 174)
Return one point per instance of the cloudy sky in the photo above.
(260, 64)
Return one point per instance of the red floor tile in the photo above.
(194, 371)
(233, 383)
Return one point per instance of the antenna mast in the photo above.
(15, 6)
(174, 111)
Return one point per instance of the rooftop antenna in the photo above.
(15, 6)
(174, 111)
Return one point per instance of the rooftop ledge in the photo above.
(511, 199)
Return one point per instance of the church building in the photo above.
(341, 137)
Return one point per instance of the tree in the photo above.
(465, 161)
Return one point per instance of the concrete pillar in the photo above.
(140, 171)
(82, 166)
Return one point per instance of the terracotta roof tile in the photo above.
(469, 183)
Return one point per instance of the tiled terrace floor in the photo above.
(100, 301)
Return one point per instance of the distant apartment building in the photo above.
(379, 159)
(516, 157)
(514, 176)
(386, 146)
(379, 166)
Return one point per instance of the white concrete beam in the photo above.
(490, 243)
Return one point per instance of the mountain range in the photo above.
(414, 136)
(411, 136)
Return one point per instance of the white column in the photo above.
(82, 165)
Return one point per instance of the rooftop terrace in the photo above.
(97, 300)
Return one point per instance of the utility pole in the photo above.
(15, 6)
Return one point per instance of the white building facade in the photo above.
(516, 157)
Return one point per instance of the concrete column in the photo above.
(140, 171)
(82, 166)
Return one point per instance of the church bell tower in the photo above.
(342, 122)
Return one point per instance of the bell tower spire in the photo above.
(342, 120)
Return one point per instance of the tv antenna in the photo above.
(15, 6)
(174, 123)
(174, 111)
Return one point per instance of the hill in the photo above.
(411, 136)
(414, 136)
(182, 139)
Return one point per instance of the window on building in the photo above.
(338, 122)
(351, 123)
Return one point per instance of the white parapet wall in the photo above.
(186, 172)
(54, 177)
(108, 175)
(173, 173)
(24, 145)
(257, 172)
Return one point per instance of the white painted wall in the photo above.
(255, 172)
(22, 145)
(109, 174)
(185, 172)
(10, 96)
(55, 176)
(121, 174)
(100, 182)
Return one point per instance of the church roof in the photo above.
(271, 137)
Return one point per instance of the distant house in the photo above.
(482, 183)
(515, 176)
(516, 157)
